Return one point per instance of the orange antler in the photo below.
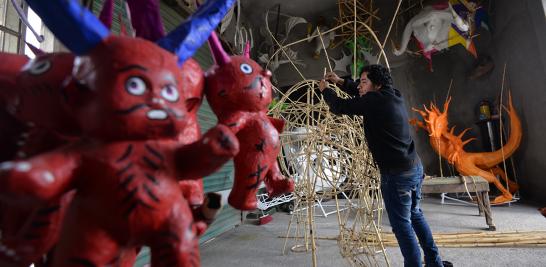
(462, 133)
(468, 141)
(423, 114)
(446, 104)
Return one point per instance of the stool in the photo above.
(455, 184)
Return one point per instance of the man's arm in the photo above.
(350, 87)
(340, 106)
(347, 85)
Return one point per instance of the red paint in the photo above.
(126, 168)
(239, 92)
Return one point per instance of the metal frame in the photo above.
(20, 34)
(461, 202)
(325, 213)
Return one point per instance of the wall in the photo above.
(286, 75)
(519, 40)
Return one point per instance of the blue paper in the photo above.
(194, 32)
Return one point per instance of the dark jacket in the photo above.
(385, 124)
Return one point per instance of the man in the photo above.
(388, 134)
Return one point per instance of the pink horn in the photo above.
(106, 13)
(37, 51)
(247, 50)
(220, 56)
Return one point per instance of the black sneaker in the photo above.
(447, 264)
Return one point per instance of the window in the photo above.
(11, 28)
(36, 24)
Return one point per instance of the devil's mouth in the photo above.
(156, 114)
(152, 114)
(258, 81)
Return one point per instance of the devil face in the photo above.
(40, 87)
(135, 91)
(239, 85)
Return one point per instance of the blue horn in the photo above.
(194, 32)
(76, 27)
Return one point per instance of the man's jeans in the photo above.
(402, 193)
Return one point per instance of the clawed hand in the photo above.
(222, 141)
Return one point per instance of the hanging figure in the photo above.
(239, 92)
(32, 97)
(435, 29)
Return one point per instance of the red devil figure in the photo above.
(33, 100)
(239, 92)
(122, 170)
(33, 94)
(126, 190)
(32, 89)
(11, 127)
(146, 20)
(36, 93)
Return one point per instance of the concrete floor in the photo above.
(251, 245)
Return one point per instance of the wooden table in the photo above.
(455, 184)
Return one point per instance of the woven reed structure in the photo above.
(365, 12)
(327, 156)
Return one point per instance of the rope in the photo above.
(324, 47)
(354, 40)
(390, 27)
(438, 141)
(439, 145)
(281, 48)
(500, 129)
(466, 187)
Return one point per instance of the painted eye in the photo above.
(170, 93)
(246, 69)
(135, 86)
(39, 67)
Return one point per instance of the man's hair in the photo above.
(378, 75)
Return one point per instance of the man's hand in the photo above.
(322, 85)
(332, 77)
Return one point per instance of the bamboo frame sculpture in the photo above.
(316, 134)
(327, 156)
